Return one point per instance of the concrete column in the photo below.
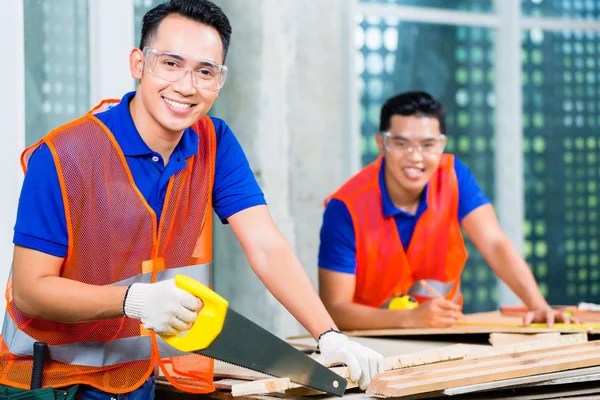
(510, 192)
(112, 33)
(285, 99)
(12, 115)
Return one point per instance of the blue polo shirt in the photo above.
(41, 222)
(337, 250)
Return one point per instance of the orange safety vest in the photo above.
(437, 251)
(114, 240)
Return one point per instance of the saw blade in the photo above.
(246, 344)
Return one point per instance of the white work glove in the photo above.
(161, 306)
(362, 362)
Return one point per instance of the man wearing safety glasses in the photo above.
(392, 251)
(117, 202)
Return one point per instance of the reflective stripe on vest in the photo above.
(443, 288)
(100, 354)
(200, 272)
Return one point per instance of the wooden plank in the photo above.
(228, 396)
(584, 316)
(496, 361)
(480, 323)
(568, 392)
(544, 343)
(554, 378)
(431, 378)
(502, 339)
(425, 385)
(267, 386)
(275, 385)
(495, 318)
(555, 327)
(463, 330)
(454, 352)
(387, 347)
(573, 379)
(447, 353)
(227, 384)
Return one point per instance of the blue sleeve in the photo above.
(337, 250)
(470, 195)
(235, 187)
(41, 222)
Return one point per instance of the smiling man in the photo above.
(119, 201)
(394, 230)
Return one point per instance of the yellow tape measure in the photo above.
(402, 302)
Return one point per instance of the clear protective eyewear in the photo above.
(427, 146)
(173, 67)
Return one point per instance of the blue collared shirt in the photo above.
(337, 250)
(41, 222)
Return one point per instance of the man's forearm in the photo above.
(514, 271)
(283, 275)
(64, 300)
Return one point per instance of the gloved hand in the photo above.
(161, 306)
(362, 362)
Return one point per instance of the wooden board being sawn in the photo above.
(386, 347)
(435, 355)
(479, 323)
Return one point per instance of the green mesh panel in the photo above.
(561, 100)
(455, 64)
(57, 81)
(574, 9)
(461, 5)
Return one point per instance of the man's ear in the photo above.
(379, 140)
(136, 63)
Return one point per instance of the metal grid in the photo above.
(573, 9)
(57, 81)
(562, 164)
(460, 5)
(455, 64)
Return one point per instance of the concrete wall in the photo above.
(287, 102)
(12, 115)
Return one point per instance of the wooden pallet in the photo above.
(436, 377)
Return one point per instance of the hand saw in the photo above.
(223, 334)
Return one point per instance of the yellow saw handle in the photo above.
(210, 320)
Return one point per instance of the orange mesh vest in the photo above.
(436, 253)
(114, 240)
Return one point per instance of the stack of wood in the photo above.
(523, 363)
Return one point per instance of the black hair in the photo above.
(412, 103)
(202, 11)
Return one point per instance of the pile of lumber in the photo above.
(512, 360)
(525, 363)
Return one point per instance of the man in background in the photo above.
(394, 230)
